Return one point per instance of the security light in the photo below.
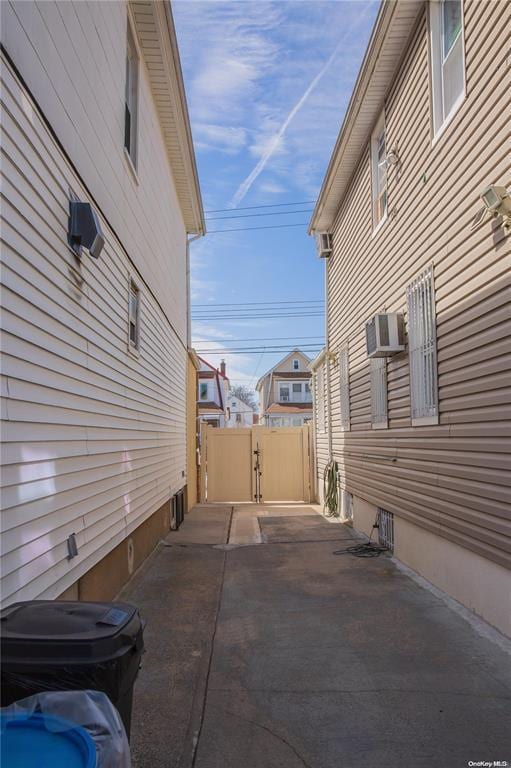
(497, 201)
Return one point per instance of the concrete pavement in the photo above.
(282, 655)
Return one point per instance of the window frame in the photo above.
(296, 364)
(343, 357)
(422, 349)
(379, 393)
(131, 96)
(439, 120)
(134, 290)
(281, 384)
(203, 384)
(379, 129)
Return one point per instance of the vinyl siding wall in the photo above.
(452, 479)
(72, 57)
(94, 438)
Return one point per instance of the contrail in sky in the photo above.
(245, 185)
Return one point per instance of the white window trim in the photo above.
(435, 76)
(344, 388)
(380, 126)
(416, 347)
(134, 349)
(132, 158)
(379, 393)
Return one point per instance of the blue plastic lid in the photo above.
(44, 741)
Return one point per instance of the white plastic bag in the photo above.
(92, 710)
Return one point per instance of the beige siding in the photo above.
(72, 57)
(452, 479)
(94, 438)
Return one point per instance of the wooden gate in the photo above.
(256, 464)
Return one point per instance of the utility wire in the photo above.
(246, 229)
(255, 317)
(252, 303)
(251, 215)
(254, 207)
(258, 338)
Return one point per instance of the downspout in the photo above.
(327, 363)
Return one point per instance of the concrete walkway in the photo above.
(281, 655)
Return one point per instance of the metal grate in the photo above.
(344, 379)
(379, 406)
(422, 348)
(386, 528)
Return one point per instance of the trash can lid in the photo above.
(63, 630)
(36, 741)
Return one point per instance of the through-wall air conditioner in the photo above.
(324, 244)
(385, 335)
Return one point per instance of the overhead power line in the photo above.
(254, 303)
(255, 207)
(246, 229)
(251, 215)
(263, 351)
(256, 317)
(258, 338)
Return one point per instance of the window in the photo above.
(422, 349)
(131, 97)
(320, 398)
(447, 59)
(296, 365)
(203, 390)
(284, 392)
(134, 316)
(344, 380)
(297, 389)
(379, 172)
(238, 418)
(379, 415)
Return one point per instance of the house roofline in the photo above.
(271, 370)
(400, 17)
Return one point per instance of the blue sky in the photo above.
(267, 86)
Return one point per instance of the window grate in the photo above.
(344, 378)
(386, 529)
(320, 399)
(379, 404)
(422, 348)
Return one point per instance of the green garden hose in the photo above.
(330, 492)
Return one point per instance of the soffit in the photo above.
(157, 40)
(391, 34)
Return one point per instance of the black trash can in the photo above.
(52, 645)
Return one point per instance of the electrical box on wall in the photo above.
(385, 335)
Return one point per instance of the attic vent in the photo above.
(385, 335)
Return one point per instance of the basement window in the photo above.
(386, 528)
(420, 298)
(447, 60)
(131, 97)
(133, 317)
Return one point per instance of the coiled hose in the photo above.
(330, 492)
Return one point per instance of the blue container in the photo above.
(44, 741)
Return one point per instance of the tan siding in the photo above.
(93, 438)
(453, 478)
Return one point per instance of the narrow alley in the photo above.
(263, 648)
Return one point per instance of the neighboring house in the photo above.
(421, 432)
(212, 394)
(285, 398)
(94, 349)
(239, 413)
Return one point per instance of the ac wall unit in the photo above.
(324, 244)
(385, 335)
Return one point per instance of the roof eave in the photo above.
(353, 137)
